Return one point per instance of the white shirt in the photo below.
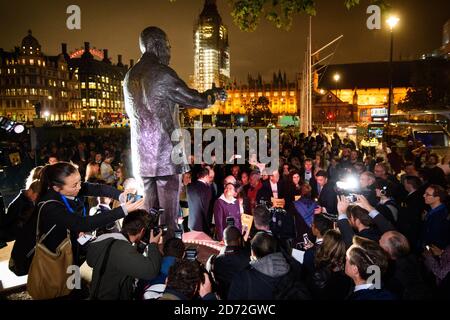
(308, 176)
(363, 286)
(222, 197)
(274, 188)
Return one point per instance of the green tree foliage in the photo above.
(258, 109)
(248, 13)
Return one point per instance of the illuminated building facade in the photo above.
(281, 96)
(211, 49)
(28, 77)
(365, 85)
(99, 83)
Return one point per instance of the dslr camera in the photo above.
(154, 225)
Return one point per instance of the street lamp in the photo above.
(336, 78)
(392, 22)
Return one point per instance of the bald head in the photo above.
(395, 244)
(229, 179)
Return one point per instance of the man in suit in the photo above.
(273, 188)
(360, 219)
(199, 196)
(325, 193)
(307, 172)
(362, 254)
(436, 224)
(410, 214)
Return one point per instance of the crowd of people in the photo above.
(333, 222)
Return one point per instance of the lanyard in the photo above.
(66, 203)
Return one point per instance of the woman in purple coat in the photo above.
(227, 206)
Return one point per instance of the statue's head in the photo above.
(154, 40)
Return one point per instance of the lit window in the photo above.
(83, 85)
(92, 85)
(32, 62)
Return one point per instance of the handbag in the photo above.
(47, 277)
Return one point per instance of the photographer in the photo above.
(186, 281)
(367, 183)
(232, 259)
(360, 217)
(116, 262)
(386, 205)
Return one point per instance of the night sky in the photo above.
(116, 24)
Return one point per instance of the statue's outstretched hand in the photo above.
(221, 94)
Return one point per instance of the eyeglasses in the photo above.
(428, 195)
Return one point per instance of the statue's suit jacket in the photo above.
(153, 92)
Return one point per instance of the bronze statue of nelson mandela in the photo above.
(153, 93)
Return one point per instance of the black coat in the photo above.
(227, 265)
(19, 212)
(251, 284)
(199, 198)
(56, 214)
(312, 181)
(328, 198)
(409, 217)
(404, 279)
(371, 233)
(326, 285)
(372, 294)
(436, 228)
(265, 193)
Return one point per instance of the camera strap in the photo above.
(102, 269)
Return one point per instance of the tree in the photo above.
(258, 109)
(247, 13)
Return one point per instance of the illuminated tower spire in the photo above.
(211, 49)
